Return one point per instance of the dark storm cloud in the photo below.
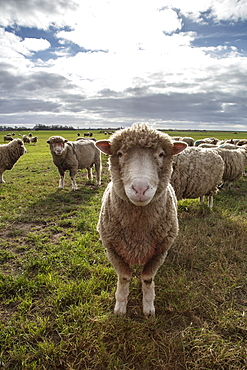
(204, 107)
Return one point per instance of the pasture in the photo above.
(57, 286)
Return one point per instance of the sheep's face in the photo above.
(140, 162)
(57, 144)
(57, 148)
(139, 171)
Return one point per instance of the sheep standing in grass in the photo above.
(197, 172)
(235, 162)
(73, 156)
(138, 218)
(9, 155)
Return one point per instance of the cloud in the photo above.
(36, 13)
(112, 62)
(33, 44)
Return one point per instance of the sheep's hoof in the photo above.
(120, 308)
(149, 311)
(149, 314)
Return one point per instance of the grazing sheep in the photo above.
(73, 156)
(138, 218)
(26, 139)
(235, 163)
(197, 172)
(9, 155)
(34, 139)
(7, 138)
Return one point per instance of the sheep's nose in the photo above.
(140, 187)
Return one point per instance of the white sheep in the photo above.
(187, 139)
(9, 155)
(208, 140)
(197, 172)
(73, 156)
(235, 162)
(138, 218)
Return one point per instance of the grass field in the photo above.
(57, 286)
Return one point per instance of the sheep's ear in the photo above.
(104, 146)
(65, 140)
(48, 141)
(178, 146)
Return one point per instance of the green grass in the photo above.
(57, 286)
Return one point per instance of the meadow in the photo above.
(57, 286)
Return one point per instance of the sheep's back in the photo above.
(196, 172)
(235, 162)
(86, 153)
(9, 155)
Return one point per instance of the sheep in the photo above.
(242, 142)
(235, 163)
(197, 172)
(85, 138)
(73, 156)
(209, 140)
(26, 139)
(7, 138)
(34, 139)
(138, 218)
(188, 140)
(9, 155)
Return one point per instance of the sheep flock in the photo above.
(149, 172)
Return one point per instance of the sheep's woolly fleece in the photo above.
(140, 135)
(196, 172)
(10, 153)
(56, 139)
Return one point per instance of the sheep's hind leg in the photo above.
(89, 174)
(147, 278)
(73, 173)
(98, 173)
(1, 178)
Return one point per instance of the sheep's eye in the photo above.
(119, 154)
(162, 154)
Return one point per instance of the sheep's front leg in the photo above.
(73, 172)
(147, 278)
(124, 276)
(121, 295)
(61, 180)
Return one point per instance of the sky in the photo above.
(176, 64)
